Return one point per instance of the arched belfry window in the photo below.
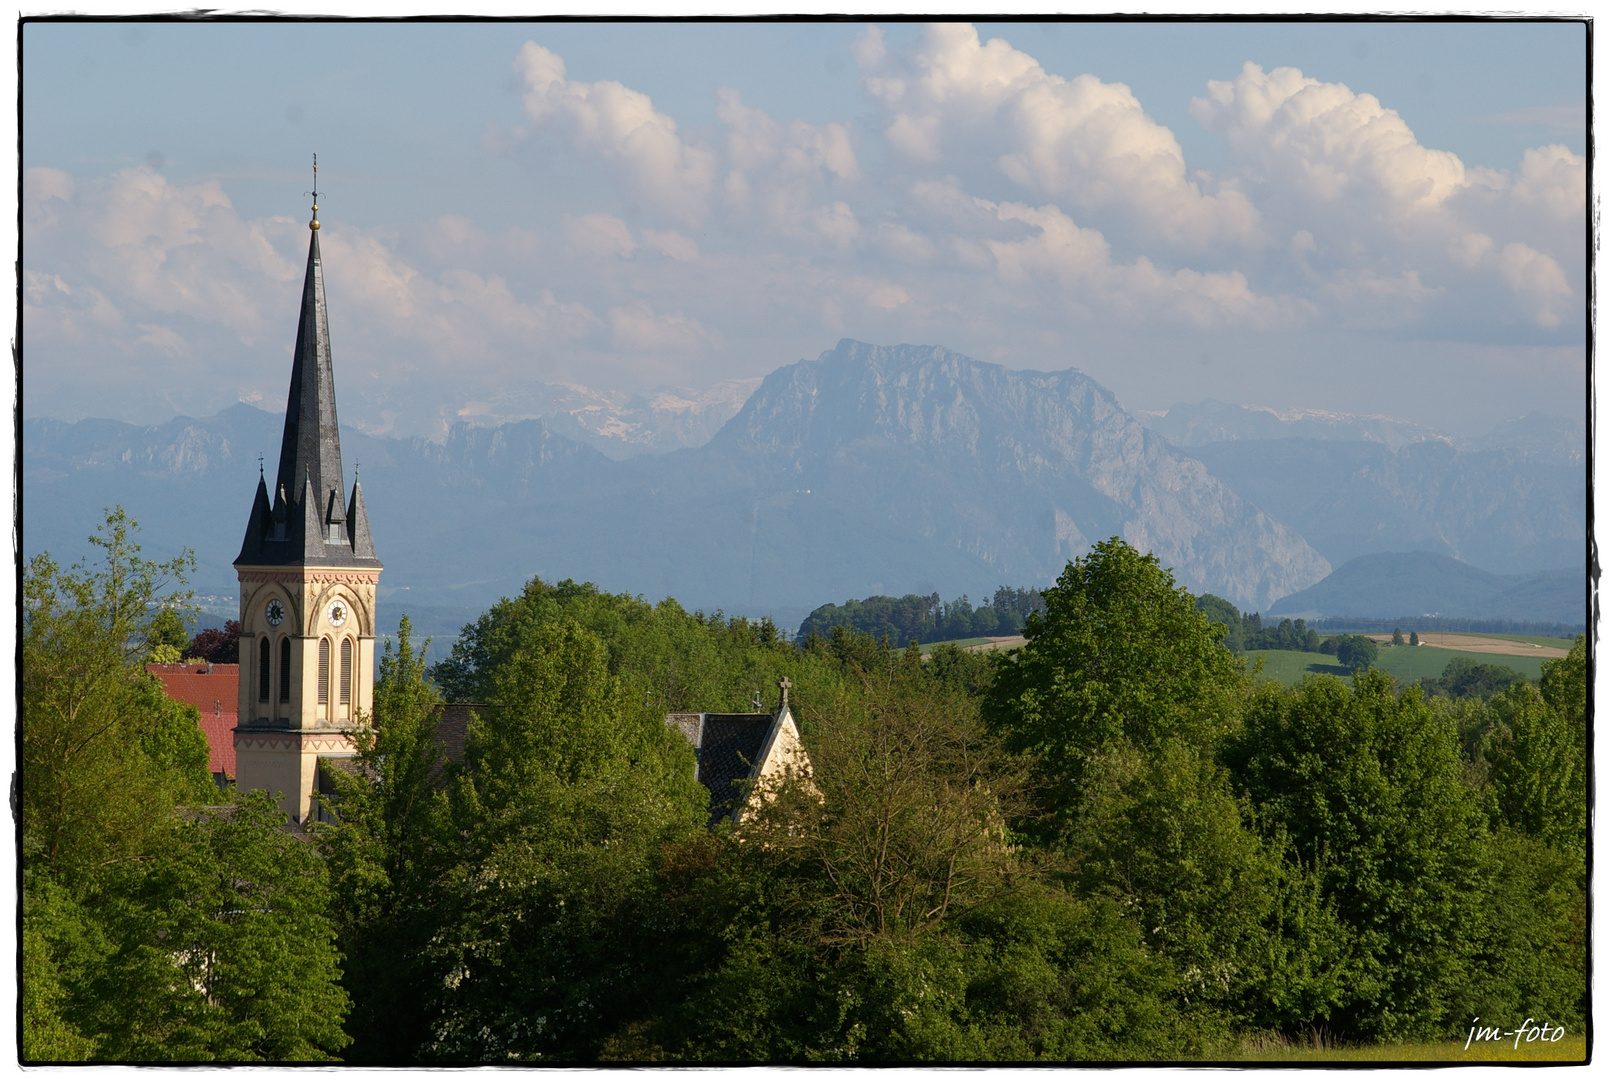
(264, 663)
(346, 671)
(284, 669)
(324, 671)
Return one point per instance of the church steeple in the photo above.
(320, 533)
(309, 581)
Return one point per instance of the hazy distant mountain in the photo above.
(619, 424)
(188, 482)
(1539, 437)
(1017, 470)
(868, 470)
(1214, 421)
(1424, 583)
(626, 425)
(1512, 500)
(1500, 509)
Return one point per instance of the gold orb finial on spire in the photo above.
(314, 223)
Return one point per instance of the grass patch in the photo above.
(1405, 663)
(1570, 1048)
(1289, 667)
(960, 643)
(1409, 664)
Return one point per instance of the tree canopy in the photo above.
(1120, 658)
(163, 919)
(1113, 844)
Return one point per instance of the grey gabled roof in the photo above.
(320, 526)
(728, 747)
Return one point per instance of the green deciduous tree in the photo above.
(1564, 686)
(1165, 837)
(1356, 652)
(677, 659)
(389, 852)
(155, 927)
(1367, 787)
(1464, 678)
(168, 636)
(878, 912)
(1121, 657)
(1538, 769)
(905, 813)
(221, 948)
(569, 787)
(1226, 615)
(105, 753)
(59, 940)
(1532, 934)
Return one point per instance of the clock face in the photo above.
(338, 613)
(275, 612)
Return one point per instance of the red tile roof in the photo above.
(214, 689)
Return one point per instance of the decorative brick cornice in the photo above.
(299, 575)
(291, 741)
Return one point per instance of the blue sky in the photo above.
(1372, 217)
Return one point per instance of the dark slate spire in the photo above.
(316, 529)
(357, 525)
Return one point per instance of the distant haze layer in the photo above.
(871, 470)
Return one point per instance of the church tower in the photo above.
(308, 574)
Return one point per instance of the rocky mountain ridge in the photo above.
(867, 470)
(1032, 466)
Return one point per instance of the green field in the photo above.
(1407, 664)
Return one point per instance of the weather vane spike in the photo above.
(259, 465)
(314, 223)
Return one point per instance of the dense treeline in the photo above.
(909, 618)
(162, 920)
(1112, 844)
(1465, 678)
(1243, 633)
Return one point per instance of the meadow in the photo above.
(1405, 663)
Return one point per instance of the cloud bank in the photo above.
(986, 203)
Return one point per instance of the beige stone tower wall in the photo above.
(284, 731)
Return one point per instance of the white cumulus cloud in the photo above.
(622, 126)
(1084, 142)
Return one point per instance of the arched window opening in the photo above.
(264, 661)
(346, 671)
(324, 671)
(284, 669)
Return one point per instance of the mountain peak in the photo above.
(1024, 468)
